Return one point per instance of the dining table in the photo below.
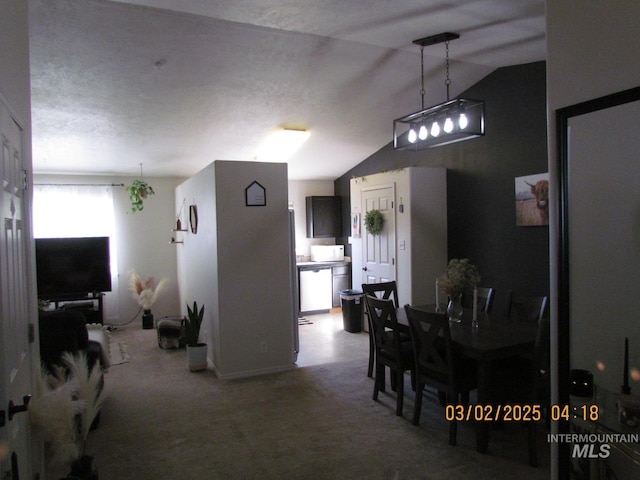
(492, 338)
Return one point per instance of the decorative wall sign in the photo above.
(355, 225)
(193, 218)
(255, 195)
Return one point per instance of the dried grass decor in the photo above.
(66, 403)
(145, 292)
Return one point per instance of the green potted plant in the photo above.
(139, 190)
(196, 351)
(460, 273)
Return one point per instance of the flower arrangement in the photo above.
(145, 292)
(460, 273)
(373, 222)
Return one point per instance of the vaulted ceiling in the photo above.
(176, 84)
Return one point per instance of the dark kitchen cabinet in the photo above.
(324, 217)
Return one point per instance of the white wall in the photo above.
(143, 243)
(298, 191)
(422, 228)
(592, 50)
(237, 265)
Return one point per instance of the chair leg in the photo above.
(417, 406)
(453, 429)
(372, 353)
(533, 447)
(378, 381)
(400, 392)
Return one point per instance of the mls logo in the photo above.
(589, 450)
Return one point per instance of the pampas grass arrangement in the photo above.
(144, 291)
(67, 401)
(52, 411)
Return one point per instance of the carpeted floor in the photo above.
(318, 422)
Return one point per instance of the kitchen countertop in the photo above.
(309, 264)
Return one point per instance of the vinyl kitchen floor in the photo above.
(323, 339)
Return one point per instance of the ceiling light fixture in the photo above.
(279, 146)
(442, 124)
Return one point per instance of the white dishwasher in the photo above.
(315, 289)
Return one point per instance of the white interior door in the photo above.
(378, 251)
(15, 347)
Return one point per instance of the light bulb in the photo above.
(423, 133)
(435, 129)
(412, 135)
(448, 125)
(463, 121)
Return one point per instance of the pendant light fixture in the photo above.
(449, 122)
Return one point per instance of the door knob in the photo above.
(13, 408)
(364, 269)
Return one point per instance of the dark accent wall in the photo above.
(480, 182)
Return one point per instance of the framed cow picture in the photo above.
(532, 200)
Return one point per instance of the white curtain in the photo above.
(79, 211)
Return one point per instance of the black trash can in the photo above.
(351, 301)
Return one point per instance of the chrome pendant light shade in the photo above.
(449, 122)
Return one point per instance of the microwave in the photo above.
(327, 253)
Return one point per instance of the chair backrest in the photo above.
(384, 290)
(526, 308)
(382, 315)
(432, 345)
(485, 298)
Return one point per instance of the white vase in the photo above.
(197, 357)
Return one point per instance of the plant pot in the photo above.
(197, 356)
(147, 320)
(83, 469)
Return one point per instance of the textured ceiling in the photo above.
(176, 84)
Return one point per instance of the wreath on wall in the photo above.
(373, 222)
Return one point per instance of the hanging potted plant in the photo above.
(196, 351)
(373, 222)
(139, 190)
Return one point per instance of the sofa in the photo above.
(67, 331)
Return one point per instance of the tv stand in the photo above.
(90, 305)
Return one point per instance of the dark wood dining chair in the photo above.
(485, 299)
(527, 381)
(381, 290)
(390, 350)
(527, 308)
(436, 364)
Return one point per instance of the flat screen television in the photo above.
(68, 267)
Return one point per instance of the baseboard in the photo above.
(254, 373)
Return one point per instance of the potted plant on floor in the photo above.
(196, 351)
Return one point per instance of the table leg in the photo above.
(484, 382)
